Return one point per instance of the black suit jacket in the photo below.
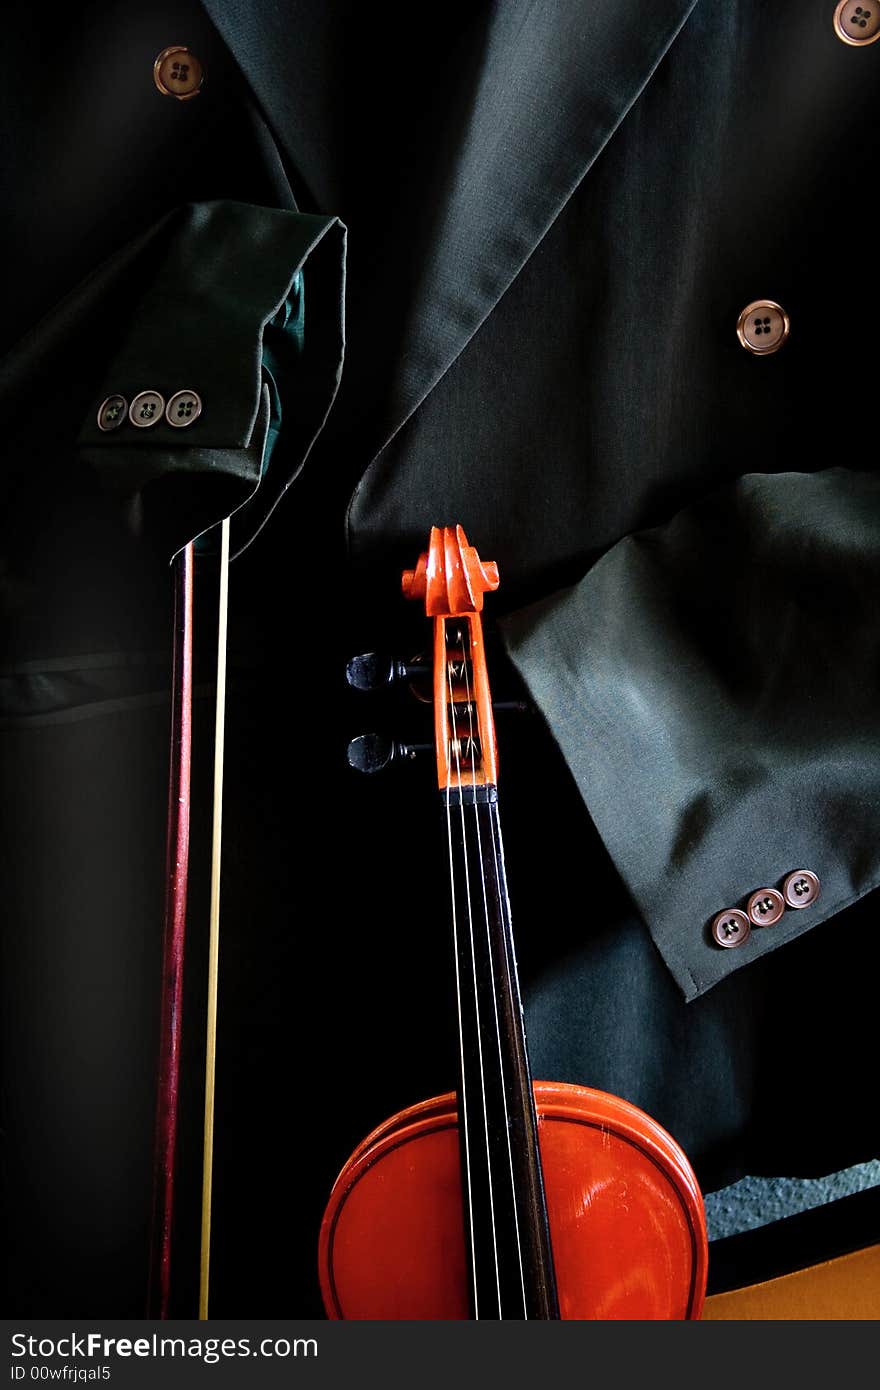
(554, 216)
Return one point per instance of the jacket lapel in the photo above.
(539, 90)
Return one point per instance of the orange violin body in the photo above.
(626, 1215)
(510, 1198)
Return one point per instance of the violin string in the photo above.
(463, 1107)
(472, 942)
(497, 860)
(470, 709)
(214, 929)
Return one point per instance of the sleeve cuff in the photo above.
(244, 309)
(714, 686)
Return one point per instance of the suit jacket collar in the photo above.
(538, 88)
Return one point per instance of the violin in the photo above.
(509, 1198)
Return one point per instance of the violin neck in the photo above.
(508, 1240)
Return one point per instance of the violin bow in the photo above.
(173, 939)
(214, 928)
(174, 935)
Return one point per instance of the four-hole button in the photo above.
(765, 907)
(178, 73)
(856, 24)
(801, 888)
(183, 409)
(763, 327)
(731, 927)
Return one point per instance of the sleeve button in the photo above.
(731, 927)
(801, 889)
(765, 907)
(146, 409)
(112, 413)
(183, 409)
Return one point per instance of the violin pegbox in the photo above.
(452, 580)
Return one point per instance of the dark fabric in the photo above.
(607, 390)
(714, 729)
(530, 95)
(555, 214)
(608, 393)
(93, 155)
(223, 280)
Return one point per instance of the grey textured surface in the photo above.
(754, 1202)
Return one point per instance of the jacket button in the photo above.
(763, 326)
(112, 412)
(146, 409)
(801, 888)
(178, 73)
(765, 907)
(857, 24)
(183, 409)
(731, 927)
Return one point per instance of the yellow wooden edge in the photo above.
(845, 1288)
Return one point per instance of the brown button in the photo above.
(801, 888)
(178, 73)
(857, 24)
(765, 907)
(731, 927)
(763, 327)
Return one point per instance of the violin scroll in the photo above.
(450, 576)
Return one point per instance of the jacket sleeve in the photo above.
(241, 305)
(245, 309)
(714, 686)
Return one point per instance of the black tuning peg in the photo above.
(373, 671)
(374, 752)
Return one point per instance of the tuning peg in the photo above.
(374, 752)
(373, 671)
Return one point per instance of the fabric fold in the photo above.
(725, 734)
(229, 290)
